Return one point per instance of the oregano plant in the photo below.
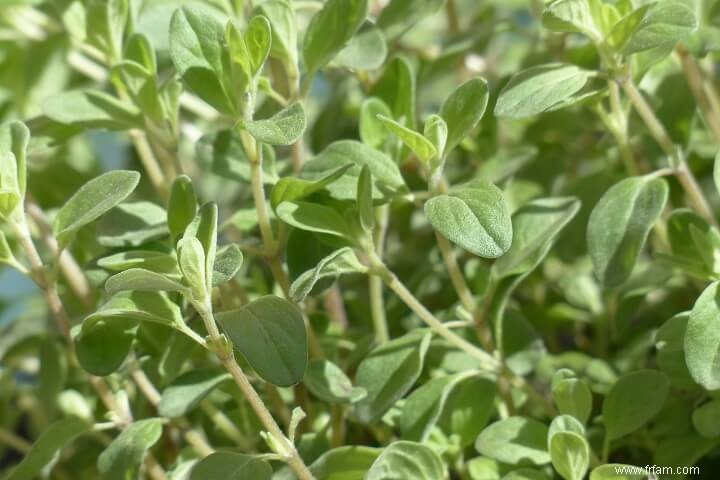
(359, 239)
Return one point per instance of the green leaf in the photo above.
(665, 23)
(647, 388)
(541, 89)
(204, 228)
(572, 396)
(91, 109)
(270, 334)
(139, 49)
(182, 206)
(388, 372)
(463, 109)
(624, 29)
(288, 189)
(436, 130)
(197, 49)
(401, 15)
(387, 179)
(421, 146)
(142, 280)
(469, 407)
(146, 259)
(187, 391)
(620, 223)
(123, 457)
(611, 471)
(407, 460)
(281, 16)
(14, 140)
(227, 264)
(6, 255)
(396, 87)
(344, 463)
(231, 466)
(423, 407)
(329, 383)
(565, 423)
(706, 419)
(105, 24)
(314, 217)
(258, 37)
(339, 262)
(92, 200)
(535, 227)
(192, 264)
(570, 455)
(103, 344)
(47, 446)
(283, 128)
(670, 345)
(515, 440)
(475, 216)
(330, 30)
(372, 129)
(695, 244)
(366, 50)
(153, 307)
(131, 224)
(716, 172)
(702, 340)
(574, 16)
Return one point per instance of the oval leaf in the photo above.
(283, 128)
(647, 388)
(92, 200)
(540, 89)
(388, 372)
(407, 460)
(515, 440)
(270, 334)
(619, 225)
(187, 390)
(475, 216)
(123, 457)
(702, 339)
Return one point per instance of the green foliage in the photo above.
(355, 240)
(475, 216)
(270, 333)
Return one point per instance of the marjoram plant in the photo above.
(359, 240)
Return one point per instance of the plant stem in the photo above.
(696, 81)
(375, 287)
(11, 440)
(486, 360)
(683, 173)
(228, 361)
(620, 131)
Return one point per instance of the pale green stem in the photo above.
(377, 302)
(486, 360)
(683, 173)
(15, 442)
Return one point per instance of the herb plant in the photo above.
(354, 239)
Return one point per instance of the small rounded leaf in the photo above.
(647, 389)
(620, 223)
(570, 455)
(270, 334)
(702, 339)
(94, 199)
(475, 216)
(515, 440)
(407, 460)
